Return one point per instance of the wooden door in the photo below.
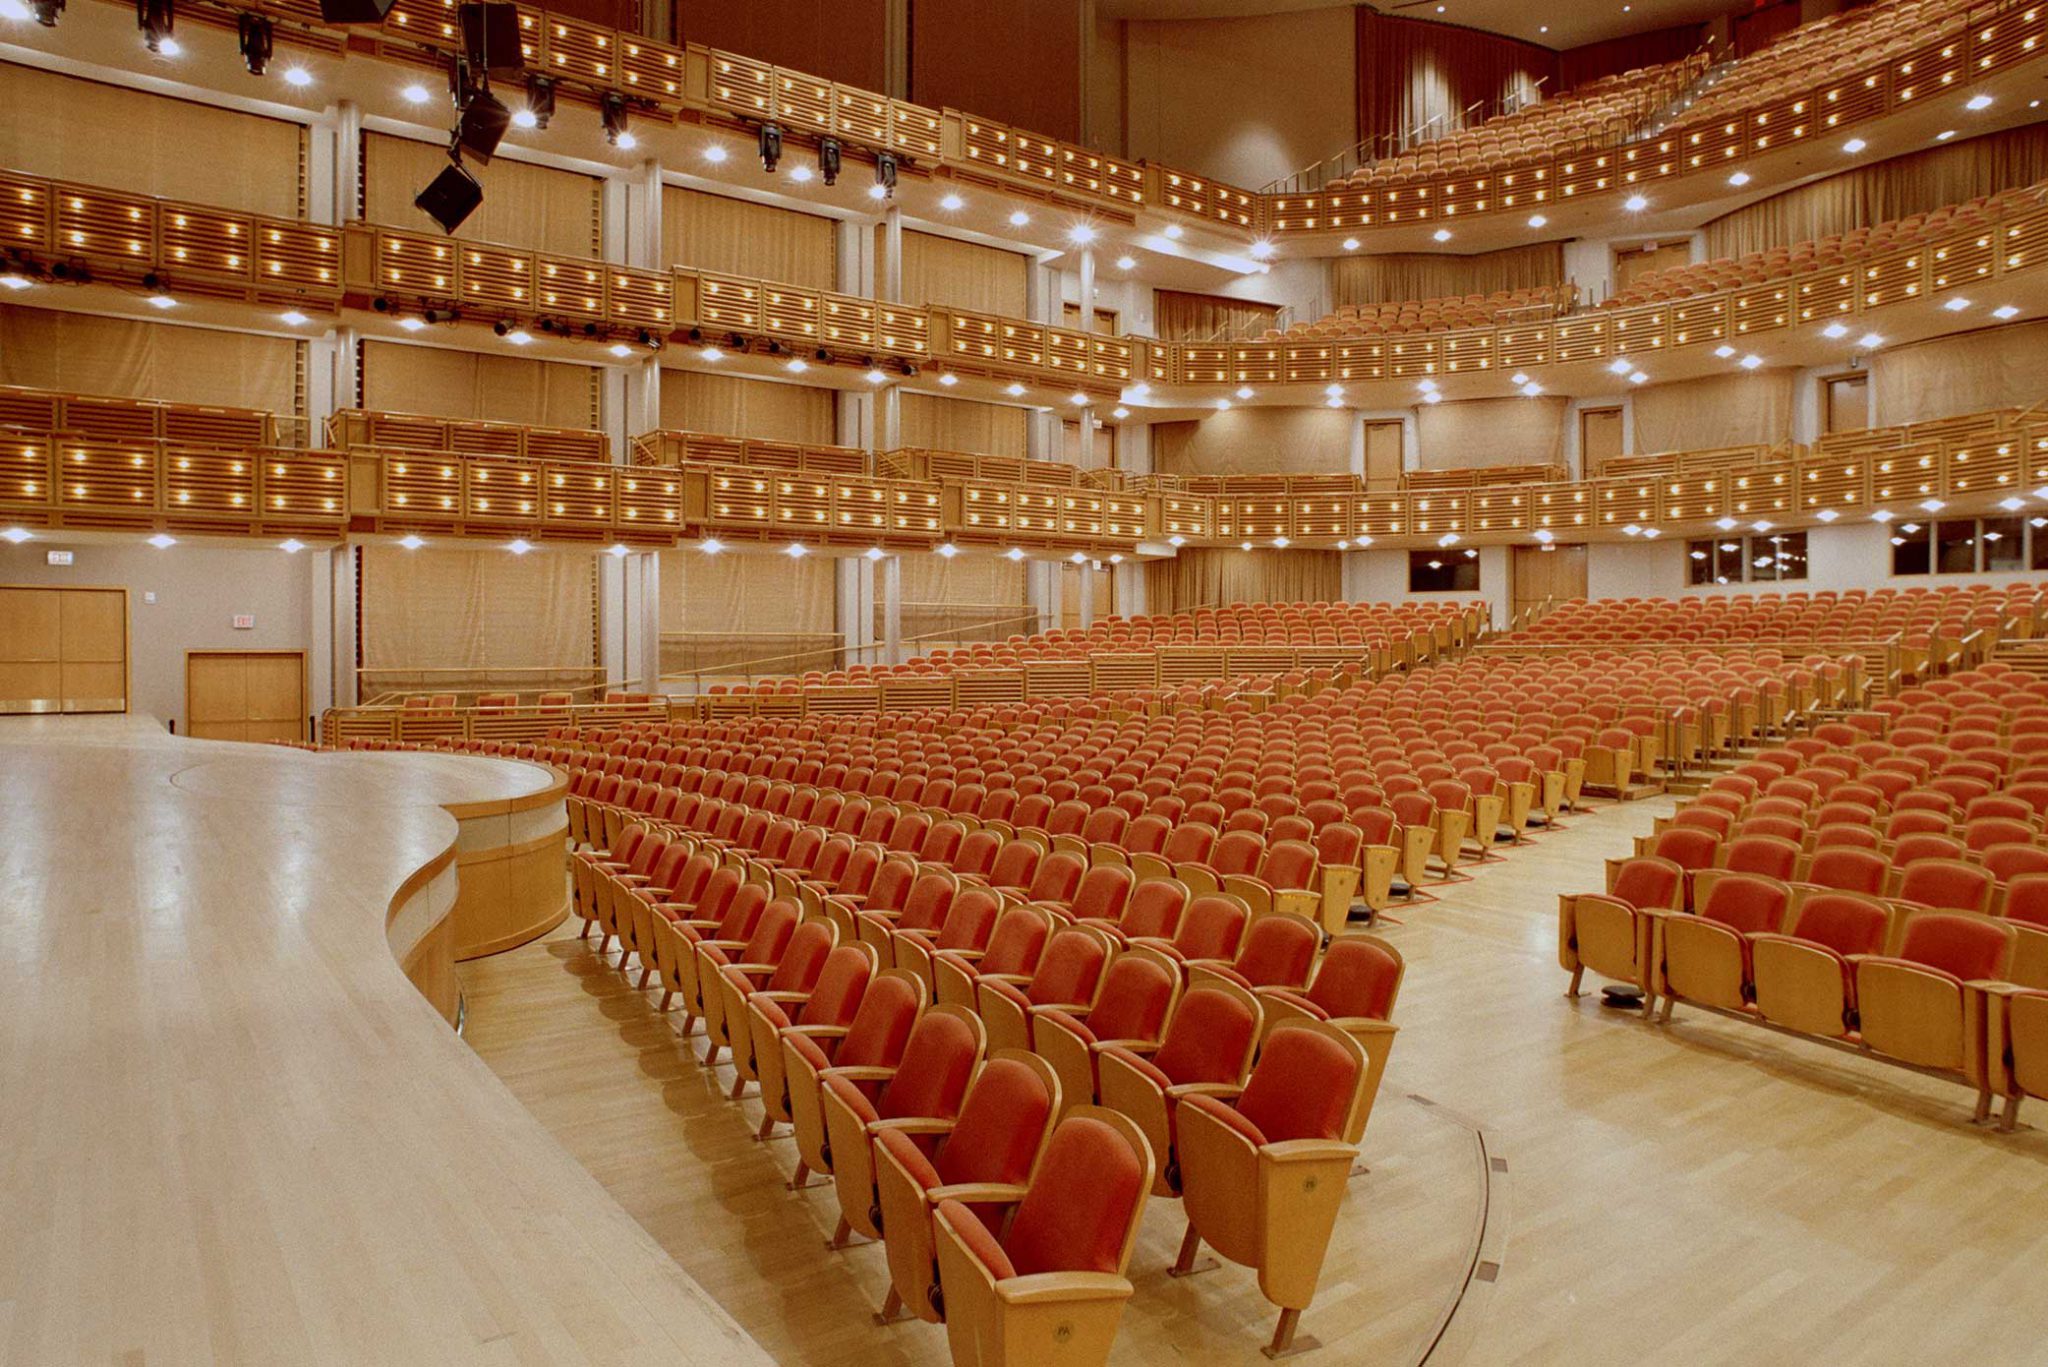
(1599, 438)
(1076, 580)
(1848, 406)
(63, 650)
(250, 695)
(1547, 573)
(1383, 453)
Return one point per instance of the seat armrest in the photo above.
(859, 1072)
(1308, 1151)
(977, 1193)
(913, 1124)
(1063, 1288)
(819, 1032)
(1222, 1091)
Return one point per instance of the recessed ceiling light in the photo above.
(1244, 545)
(948, 550)
(1537, 220)
(1333, 402)
(2005, 311)
(1883, 515)
(1621, 366)
(1120, 413)
(298, 76)
(1726, 524)
(526, 118)
(519, 337)
(1442, 234)
(15, 282)
(1944, 135)
(800, 174)
(1077, 399)
(796, 550)
(949, 379)
(163, 301)
(1014, 390)
(1870, 341)
(1957, 304)
(876, 377)
(1854, 145)
(1261, 250)
(1638, 377)
(1174, 231)
(621, 350)
(1751, 362)
(416, 94)
(1081, 233)
(1223, 404)
(952, 204)
(1432, 397)
(1245, 391)
(1835, 330)
(16, 535)
(1635, 204)
(2012, 505)
(711, 545)
(162, 541)
(1124, 263)
(292, 317)
(1827, 515)
(1334, 390)
(1739, 179)
(1350, 244)
(1724, 352)
(1176, 541)
(715, 154)
(878, 191)
(797, 365)
(519, 546)
(1013, 554)
(1977, 102)
(712, 353)
(412, 324)
(1282, 542)
(1018, 218)
(1532, 389)
(411, 543)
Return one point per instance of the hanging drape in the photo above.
(752, 605)
(974, 597)
(1402, 276)
(989, 429)
(1718, 410)
(1888, 190)
(737, 237)
(1257, 441)
(1480, 432)
(1198, 578)
(963, 275)
(83, 354)
(78, 130)
(1992, 368)
(444, 619)
(1178, 316)
(734, 406)
(530, 207)
(1631, 52)
(465, 384)
(1417, 79)
(839, 40)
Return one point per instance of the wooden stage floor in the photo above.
(1550, 1181)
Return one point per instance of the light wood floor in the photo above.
(1702, 1192)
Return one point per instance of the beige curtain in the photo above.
(464, 384)
(82, 354)
(989, 429)
(978, 596)
(484, 616)
(963, 275)
(1719, 410)
(1890, 189)
(71, 129)
(1257, 441)
(1199, 578)
(736, 237)
(752, 605)
(1178, 316)
(1481, 432)
(733, 406)
(1401, 276)
(524, 206)
(1993, 368)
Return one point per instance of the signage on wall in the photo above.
(60, 557)
(245, 621)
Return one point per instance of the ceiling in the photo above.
(1569, 24)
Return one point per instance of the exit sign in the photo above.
(60, 557)
(245, 621)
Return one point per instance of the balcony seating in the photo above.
(1533, 304)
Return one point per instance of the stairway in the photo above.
(1682, 101)
(2028, 656)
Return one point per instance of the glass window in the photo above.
(2002, 543)
(1911, 547)
(1699, 562)
(2037, 531)
(1750, 559)
(1790, 550)
(1955, 546)
(1443, 571)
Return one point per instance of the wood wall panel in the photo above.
(63, 650)
(1017, 63)
(841, 40)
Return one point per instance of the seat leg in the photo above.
(711, 1055)
(739, 1087)
(646, 972)
(767, 1130)
(1190, 1245)
(666, 993)
(841, 1233)
(584, 933)
(892, 1307)
(1577, 974)
(1283, 1333)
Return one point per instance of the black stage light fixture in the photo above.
(252, 31)
(355, 11)
(484, 122)
(771, 147)
(490, 38)
(540, 99)
(504, 326)
(440, 315)
(46, 11)
(156, 19)
(828, 160)
(612, 109)
(451, 197)
(885, 173)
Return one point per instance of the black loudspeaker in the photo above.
(451, 198)
(355, 11)
(483, 125)
(490, 38)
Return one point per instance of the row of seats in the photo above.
(1137, 1043)
(1848, 615)
(1535, 303)
(1885, 894)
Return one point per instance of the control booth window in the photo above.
(1967, 545)
(1776, 558)
(1446, 570)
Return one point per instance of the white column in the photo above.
(341, 597)
(1130, 589)
(643, 654)
(644, 247)
(891, 592)
(1087, 582)
(887, 422)
(889, 279)
(320, 630)
(613, 613)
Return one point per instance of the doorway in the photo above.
(1546, 574)
(1383, 454)
(247, 695)
(1599, 439)
(63, 650)
(1848, 403)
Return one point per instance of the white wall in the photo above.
(199, 590)
(1855, 555)
(1204, 95)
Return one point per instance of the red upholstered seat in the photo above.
(1963, 947)
(1077, 1213)
(1649, 881)
(1299, 1090)
(1947, 883)
(1358, 978)
(1746, 904)
(1846, 869)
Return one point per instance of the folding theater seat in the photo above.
(991, 1149)
(1278, 951)
(1262, 1175)
(1049, 1289)
(1390, 851)
(758, 954)
(1210, 931)
(1016, 945)
(727, 911)
(1069, 974)
(830, 1003)
(970, 920)
(929, 1082)
(1926, 1006)
(876, 1037)
(1131, 1011)
(1611, 932)
(1704, 957)
(1355, 988)
(1235, 853)
(1288, 880)
(925, 904)
(794, 971)
(1152, 911)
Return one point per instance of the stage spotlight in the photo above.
(484, 122)
(451, 198)
(45, 12)
(540, 99)
(490, 38)
(355, 11)
(156, 19)
(253, 33)
(828, 160)
(885, 174)
(771, 147)
(613, 110)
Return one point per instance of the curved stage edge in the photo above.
(224, 1102)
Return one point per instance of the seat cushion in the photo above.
(978, 1240)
